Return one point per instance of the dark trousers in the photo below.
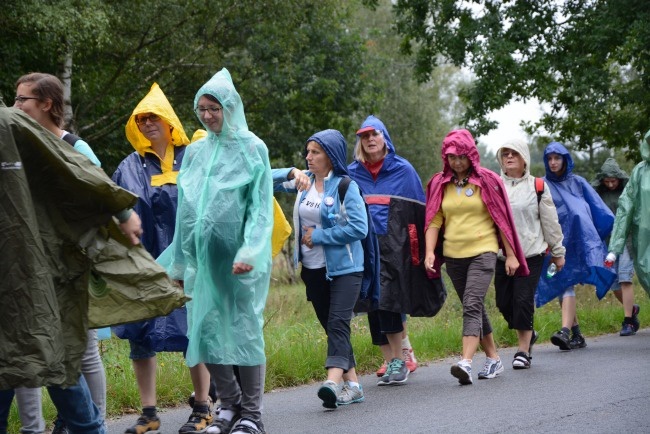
(471, 278)
(382, 322)
(515, 295)
(333, 301)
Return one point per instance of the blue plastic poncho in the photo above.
(225, 215)
(586, 222)
(154, 181)
(633, 217)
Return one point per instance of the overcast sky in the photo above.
(509, 119)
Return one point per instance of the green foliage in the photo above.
(294, 62)
(588, 60)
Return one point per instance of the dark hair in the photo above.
(212, 98)
(47, 86)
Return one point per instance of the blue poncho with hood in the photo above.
(633, 217)
(225, 215)
(586, 222)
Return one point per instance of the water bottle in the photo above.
(337, 219)
(610, 259)
(551, 270)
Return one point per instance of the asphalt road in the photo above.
(604, 388)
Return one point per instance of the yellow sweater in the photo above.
(469, 229)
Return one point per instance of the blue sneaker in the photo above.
(627, 330)
(350, 394)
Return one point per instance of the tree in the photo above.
(418, 115)
(294, 62)
(587, 59)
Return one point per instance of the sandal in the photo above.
(521, 361)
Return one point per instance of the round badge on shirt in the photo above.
(469, 192)
(329, 201)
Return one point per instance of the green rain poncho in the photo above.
(225, 215)
(633, 217)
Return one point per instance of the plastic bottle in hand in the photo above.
(610, 259)
(551, 270)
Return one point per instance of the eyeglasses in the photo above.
(142, 120)
(21, 99)
(507, 154)
(200, 111)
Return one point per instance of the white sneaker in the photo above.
(491, 369)
(463, 371)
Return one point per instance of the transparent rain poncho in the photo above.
(633, 217)
(225, 215)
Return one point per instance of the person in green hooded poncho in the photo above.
(222, 252)
(633, 217)
(609, 184)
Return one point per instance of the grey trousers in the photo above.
(28, 401)
(245, 400)
(471, 278)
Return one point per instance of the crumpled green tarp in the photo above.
(52, 197)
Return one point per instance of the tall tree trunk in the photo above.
(66, 78)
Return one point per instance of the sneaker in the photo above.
(350, 395)
(635, 317)
(521, 361)
(562, 340)
(60, 427)
(382, 369)
(491, 369)
(143, 425)
(463, 371)
(533, 339)
(398, 372)
(577, 341)
(627, 330)
(197, 423)
(247, 426)
(329, 392)
(409, 358)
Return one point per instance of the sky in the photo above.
(509, 119)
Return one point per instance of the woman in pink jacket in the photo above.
(469, 206)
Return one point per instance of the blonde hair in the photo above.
(360, 153)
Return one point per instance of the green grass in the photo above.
(296, 345)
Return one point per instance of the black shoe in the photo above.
(533, 339)
(562, 340)
(577, 341)
(635, 317)
(246, 428)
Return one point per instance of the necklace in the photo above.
(462, 183)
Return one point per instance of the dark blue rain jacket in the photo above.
(396, 203)
(157, 209)
(586, 222)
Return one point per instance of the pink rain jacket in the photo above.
(493, 192)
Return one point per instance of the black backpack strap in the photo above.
(343, 187)
(71, 138)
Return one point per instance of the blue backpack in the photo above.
(371, 284)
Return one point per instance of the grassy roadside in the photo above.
(296, 344)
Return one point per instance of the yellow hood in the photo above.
(154, 102)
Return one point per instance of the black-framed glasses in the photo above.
(21, 99)
(200, 111)
(142, 120)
